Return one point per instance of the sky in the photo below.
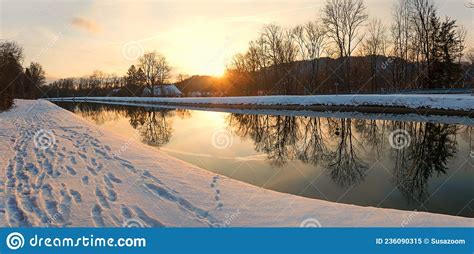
(72, 38)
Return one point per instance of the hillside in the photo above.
(380, 78)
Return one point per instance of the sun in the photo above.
(214, 70)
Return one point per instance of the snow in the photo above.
(61, 170)
(169, 90)
(435, 101)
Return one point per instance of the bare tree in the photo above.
(181, 77)
(401, 35)
(423, 12)
(263, 60)
(461, 36)
(281, 53)
(156, 69)
(289, 53)
(342, 19)
(272, 36)
(253, 59)
(311, 41)
(373, 46)
(470, 55)
(240, 73)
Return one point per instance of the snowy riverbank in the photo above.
(423, 101)
(61, 170)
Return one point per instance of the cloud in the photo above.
(86, 25)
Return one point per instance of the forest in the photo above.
(342, 51)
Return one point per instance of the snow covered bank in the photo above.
(60, 170)
(422, 101)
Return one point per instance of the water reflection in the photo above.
(347, 151)
(286, 138)
(345, 166)
(276, 136)
(336, 144)
(431, 148)
(154, 125)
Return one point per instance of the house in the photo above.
(168, 90)
(196, 94)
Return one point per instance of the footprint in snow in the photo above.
(76, 195)
(85, 180)
(217, 196)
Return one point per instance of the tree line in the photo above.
(345, 50)
(151, 70)
(16, 81)
(342, 51)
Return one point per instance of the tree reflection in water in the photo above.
(337, 146)
(285, 138)
(274, 135)
(96, 113)
(153, 124)
(344, 165)
(431, 147)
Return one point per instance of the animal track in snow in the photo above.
(217, 196)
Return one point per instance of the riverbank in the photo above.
(61, 170)
(426, 104)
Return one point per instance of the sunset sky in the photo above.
(74, 38)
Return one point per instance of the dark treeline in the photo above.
(16, 81)
(344, 51)
(152, 70)
(96, 84)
